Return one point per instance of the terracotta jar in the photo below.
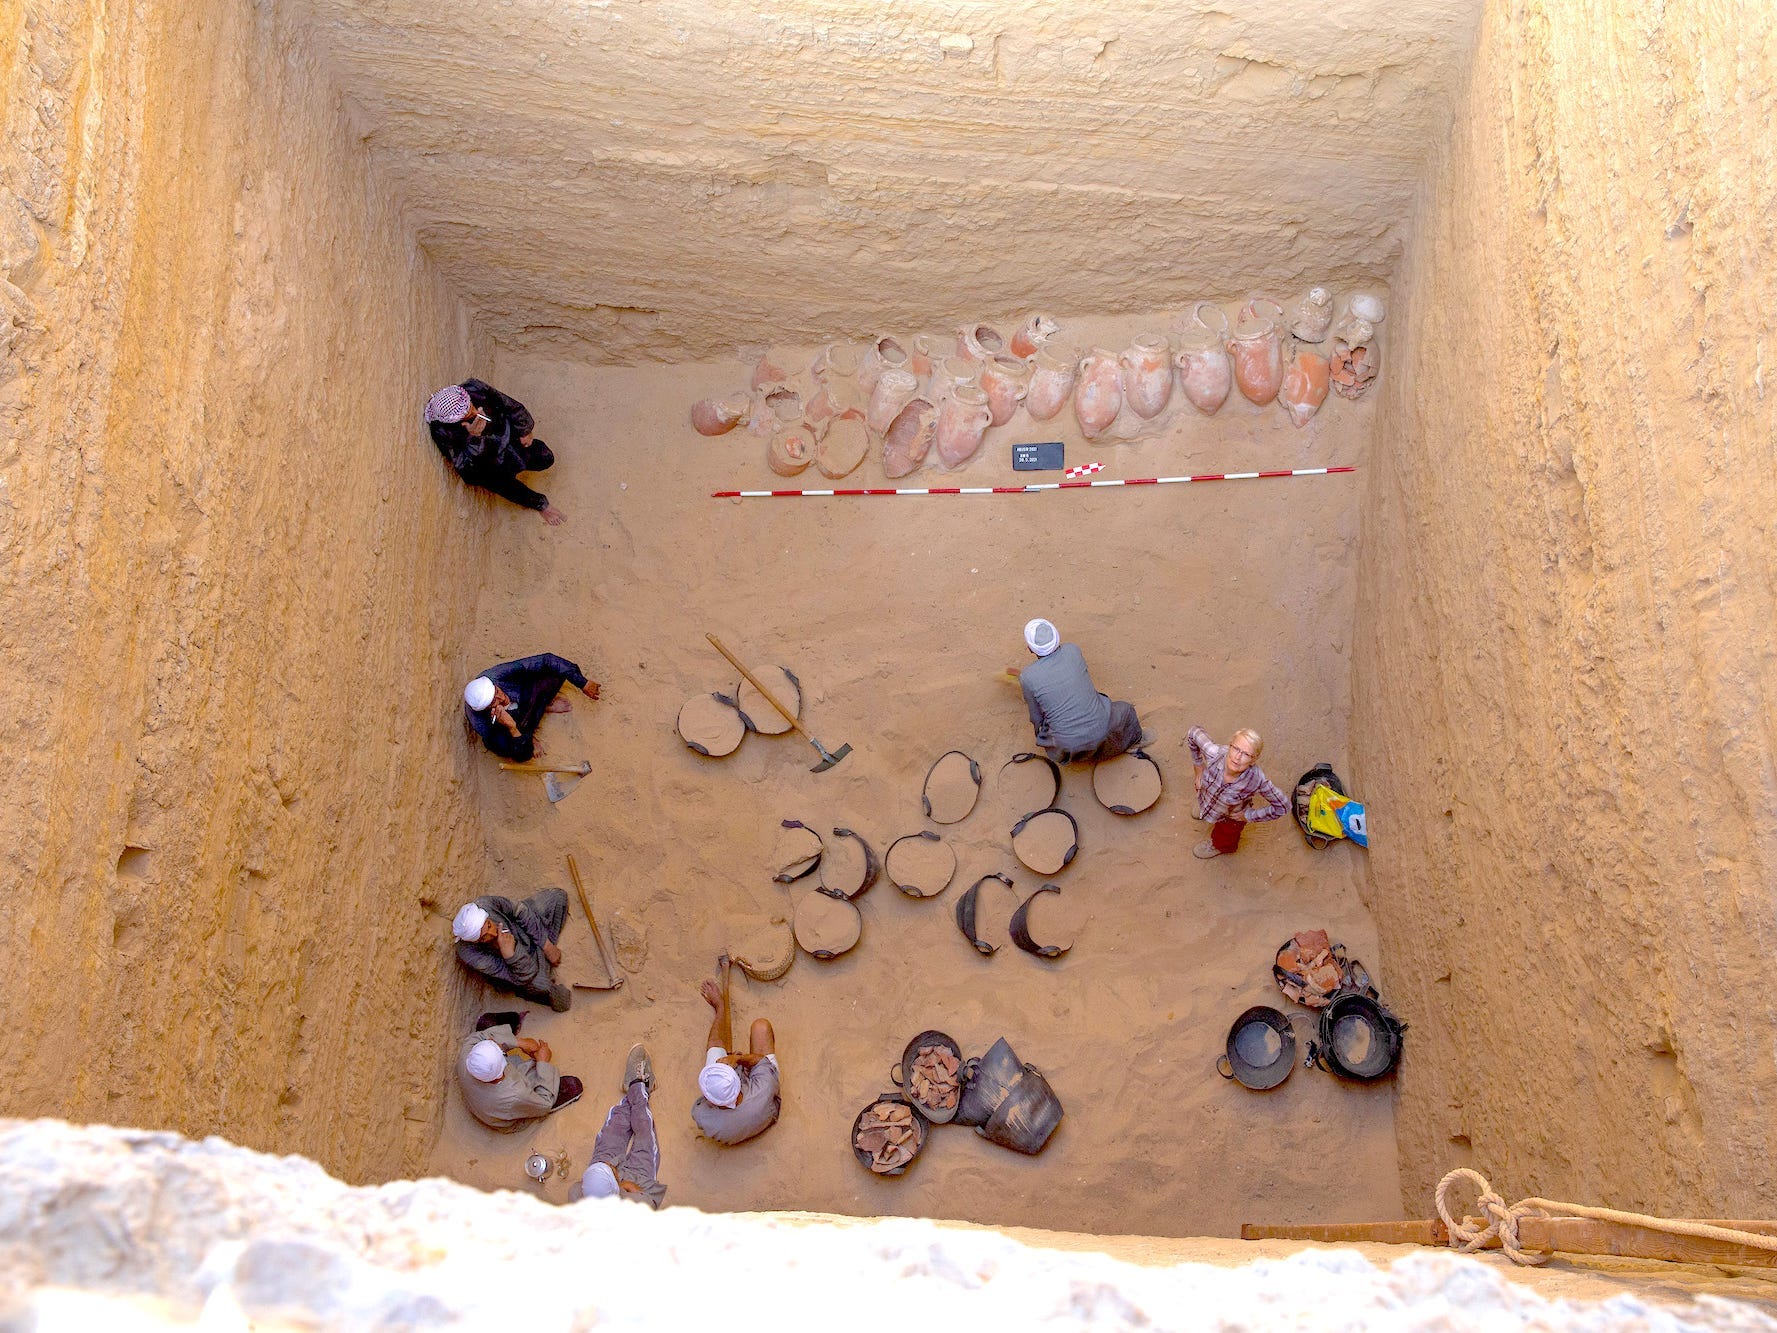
(837, 361)
(895, 388)
(928, 350)
(1205, 373)
(1304, 386)
(1032, 334)
(1005, 380)
(951, 373)
(1209, 315)
(962, 422)
(792, 449)
(1262, 307)
(883, 353)
(1051, 384)
(1147, 375)
(774, 367)
(909, 438)
(1098, 392)
(718, 416)
(978, 342)
(1356, 357)
(1257, 349)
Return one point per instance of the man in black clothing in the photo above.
(505, 703)
(514, 945)
(486, 437)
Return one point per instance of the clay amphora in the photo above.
(792, 449)
(836, 361)
(1204, 371)
(1356, 357)
(821, 409)
(718, 416)
(1098, 392)
(1032, 334)
(1310, 318)
(1257, 349)
(951, 373)
(1004, 380)
(928, 350)
(909, 438)
(978, 342)
(883, 353)
(895, 388)
(1209, 315)
(962, 421)
(1051, 384)
(1147, 375)
(774, 367)
(1304, 386)
(1262, 307)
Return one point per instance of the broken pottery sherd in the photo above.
(827, 924)
(909, 439)
(1128, 784)
(774, 367)
(1309, 318)
(791, 450)
(1356, 356)
(1147, 375)
(963, 417)
(1004, 379)
(843, 446)
(718, 416)
(1046, 840)
(848, 865)
(883, 353)
(953, 784)
(1257, 350)
(756, 710)
(711, 725)
(1032, 334)
(1208, 315)
(920, 865)
(895, 388)
(1098, 392)
(797, 851)
(1051, 383)
(1304, 386)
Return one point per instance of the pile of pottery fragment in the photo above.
(935, 397)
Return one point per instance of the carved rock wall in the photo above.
(236, 576)
(1564, 678)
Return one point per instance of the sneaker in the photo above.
(1147, 738)
(638, 1068)
(1204, 850)
(568, 1092)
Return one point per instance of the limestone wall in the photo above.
(235, 578)
(1564, 675)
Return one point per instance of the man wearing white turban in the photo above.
(740, 1091)
(486, 437)
(513, 945)
(505, 704)
(507, 1079)
(626, 1155)
(1074, 723)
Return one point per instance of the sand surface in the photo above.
(898, 617)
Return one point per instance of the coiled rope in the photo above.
(1470, 1234)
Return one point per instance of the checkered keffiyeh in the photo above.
(1083, 470)
(451, 404)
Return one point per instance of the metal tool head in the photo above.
(556, 788)
(828, 759)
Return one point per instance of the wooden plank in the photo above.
(1411, 1232)
(1582, 1235)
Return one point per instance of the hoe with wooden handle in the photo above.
(616, 977)
(828, 758)
(552, 784)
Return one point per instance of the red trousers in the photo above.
(1224, 834)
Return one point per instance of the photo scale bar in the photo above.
(1035, 486)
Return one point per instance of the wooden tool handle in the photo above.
(770, 698)
(580, 769)
(598, 938)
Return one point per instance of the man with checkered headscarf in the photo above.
(486, 437)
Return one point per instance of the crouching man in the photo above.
(507, 1079)
(513, 945)
(740, 1091)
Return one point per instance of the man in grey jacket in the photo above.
(1074, 723)
(507, 1079)
(513, 945)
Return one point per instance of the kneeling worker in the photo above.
(513, 945)
(505, 703)
(626, 1155)
(740, 1092)
(507, 1079)
(1074, 723)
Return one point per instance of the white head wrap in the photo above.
(599, 1182)
(479, 693)
(719, 1084)
(467, 923)
(1041, 637)
(486, 1061)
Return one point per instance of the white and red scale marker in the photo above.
(1082, 470)
(1035, 486)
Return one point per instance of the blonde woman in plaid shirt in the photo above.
(1228, 780)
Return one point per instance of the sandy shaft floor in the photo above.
(1222, 605)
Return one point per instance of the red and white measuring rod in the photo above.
(1037, 485)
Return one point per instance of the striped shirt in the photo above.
(1221, 797)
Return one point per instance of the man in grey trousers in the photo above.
(1075, 724)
